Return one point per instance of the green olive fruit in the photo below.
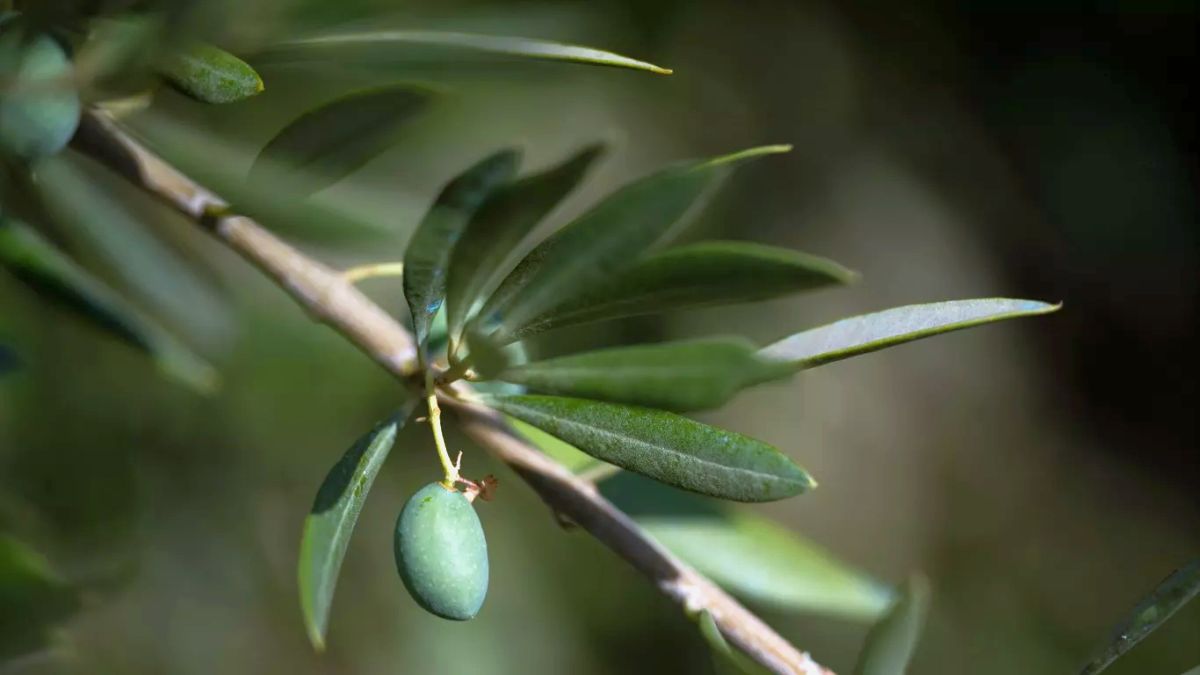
(39, 107)
(441, 553)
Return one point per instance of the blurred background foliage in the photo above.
(1042, 474)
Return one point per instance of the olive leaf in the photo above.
(33, 598)
(378, 40)
(892, 641)
(210, 74)
(705, 274)
(680, 376)
(328, 527)
(331, 141)
(39, 265)
(664, 446)
(747, 554)
(209, 159)
(726, 659)
(428, 254)
(871, 332)
(605, 240)
(39, 106)
(499, 226)
(487, 358)
(87, 204)
(1152, 612)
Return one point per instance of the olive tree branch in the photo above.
(330, 298)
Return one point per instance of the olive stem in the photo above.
(449, 468)
(373, 271)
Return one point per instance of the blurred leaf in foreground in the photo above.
(893, 640)
(8, 360)
(32, 599)
(333, 140)
(1167, 598)
(42, 267)
(726, 658)
(747, 554)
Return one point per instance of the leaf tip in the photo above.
(316, 638)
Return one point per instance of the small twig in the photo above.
(363, 272)
(331, 299)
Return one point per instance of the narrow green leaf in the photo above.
(216, 163)
(726, 658)
(870, 332)
(328, 527)
(705, 274)
(893, 640)
(32, 599)
(39, 106)
(748, 555)
(664, 446)
(508, 46)
(210, 74)
(498, 228)
(606, 240)
(1167, 598)
(428, 254)
(36, 263)
(328, 143)
(1193, 671)
(88, 206)
(680, 376)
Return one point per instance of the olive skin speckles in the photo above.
(441, 553)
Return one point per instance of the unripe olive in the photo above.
(441, 553)
(39, 108)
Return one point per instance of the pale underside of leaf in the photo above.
(747, 554)
(706, 274)
(606, 240)
(1168, 597)
(508, 46)
(427, 257)
(892, 641)
(871, 332)
(679, 376)
(499, 226)
(664, 446)
(328, 528)
(761, 561)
